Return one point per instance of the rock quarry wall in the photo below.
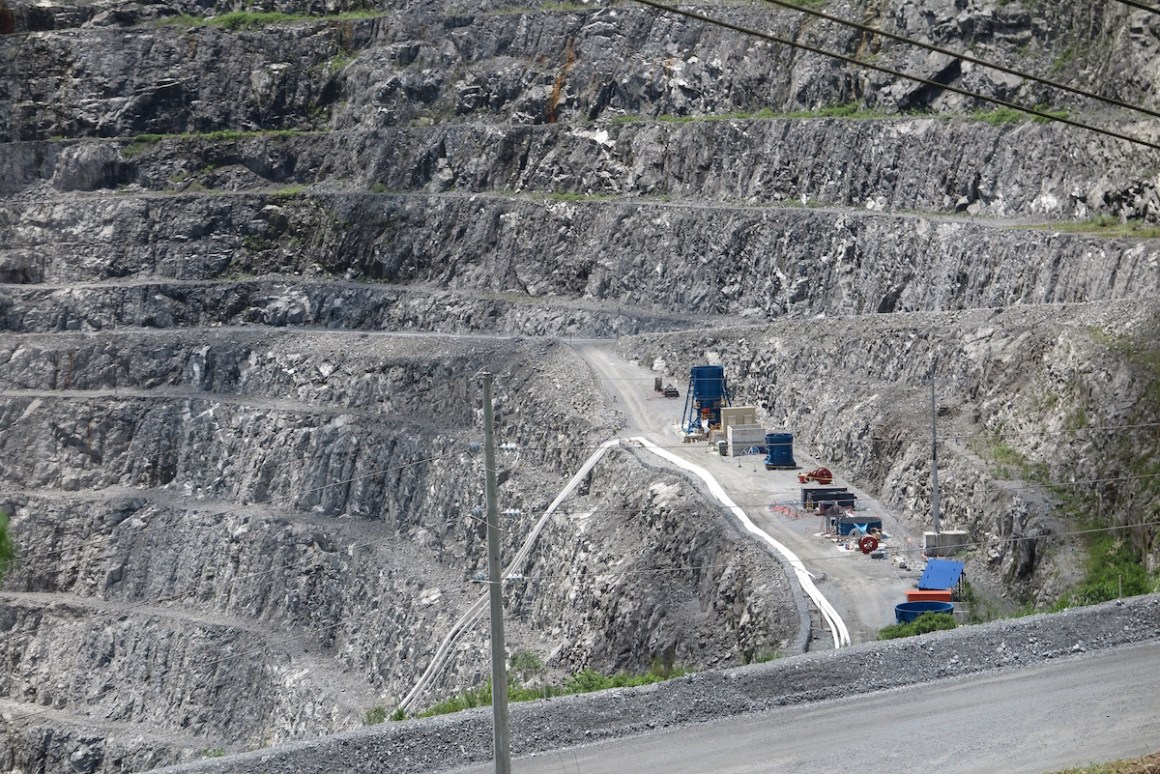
(237, 540)
(249, 266)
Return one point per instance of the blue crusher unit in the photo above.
(707, 395)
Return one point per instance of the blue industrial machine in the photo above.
(780, 448)
(707, 395)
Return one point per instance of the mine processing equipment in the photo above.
(708, 393)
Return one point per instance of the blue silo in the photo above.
(707, 395)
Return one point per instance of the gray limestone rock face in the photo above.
(250, 265)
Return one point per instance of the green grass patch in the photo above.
(767, 655)
(1106, 226)
(924, 624)
(1000, 116)
(141, 142)
(1008, 462)
(289, 191)
(586, 681)
(551, 7)
(339, 61)
(257, 244)
(1050, 115)
(1149, 764)
(579, 197)
(1112, 572)
(375, 715)
(851, 110)
(1072, 53)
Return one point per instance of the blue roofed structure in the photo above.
(941, 574)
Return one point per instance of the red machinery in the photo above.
(820, 475)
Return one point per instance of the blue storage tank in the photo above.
(708, 382)
(708, 394)
(909, 611)
(780, 448)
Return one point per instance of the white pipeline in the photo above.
(837, 625)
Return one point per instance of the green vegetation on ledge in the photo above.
(525, 667)
(925, 623)
(1105, 225)
(1149, 764)
(1112, 572)
(1004, 115)
(142, 141)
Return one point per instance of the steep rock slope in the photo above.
(209, 226)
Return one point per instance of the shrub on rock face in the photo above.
(925, 623)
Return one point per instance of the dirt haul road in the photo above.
(863, 590)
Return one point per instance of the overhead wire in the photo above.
(1141, 6)
(807, 9)
(1043, 114)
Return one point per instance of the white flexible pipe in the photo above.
(837, 625)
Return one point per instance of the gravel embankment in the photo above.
(436, 744)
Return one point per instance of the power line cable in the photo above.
(959, 55)
(897, 73)
(1141, 6)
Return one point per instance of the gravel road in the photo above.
(864, 591)
(451, 742)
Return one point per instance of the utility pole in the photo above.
(933, 458)
(499, 698)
